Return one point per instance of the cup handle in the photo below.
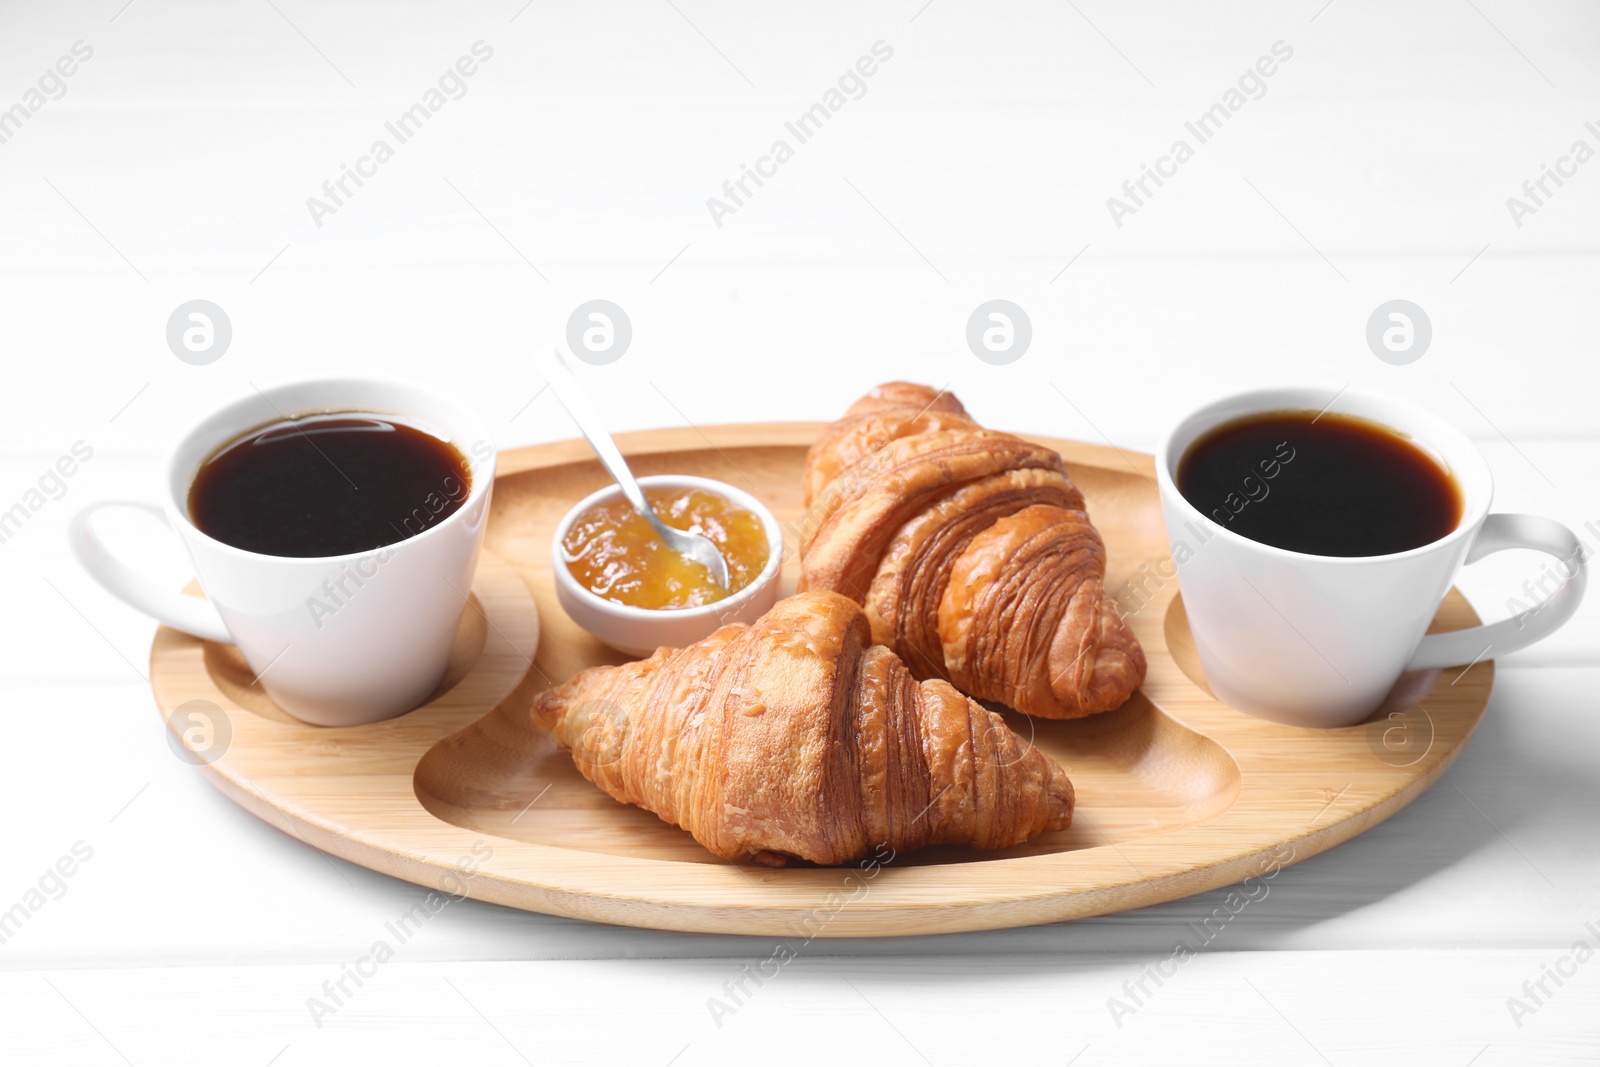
(189, 614)
(1498, 533)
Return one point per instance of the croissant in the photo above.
(972, 553)
(795, 736)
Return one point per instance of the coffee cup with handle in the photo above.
(336, 640)
(1320, 640)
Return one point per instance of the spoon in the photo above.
(691, 546)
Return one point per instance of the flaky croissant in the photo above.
(794, 736)
(972, 553)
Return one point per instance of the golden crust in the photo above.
(861, 510)
(909, 395)
(903, 601)
(1025, 620)
(856, 437)
(972, 553)
(794, 736)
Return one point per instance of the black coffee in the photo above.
(325, 485)
(1329, 485)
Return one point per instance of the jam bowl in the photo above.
(639, 631)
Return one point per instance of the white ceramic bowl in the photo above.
(640, 631)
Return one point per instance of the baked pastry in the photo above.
(972, 553)
(795, 736)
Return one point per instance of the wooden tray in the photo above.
(1177, 793)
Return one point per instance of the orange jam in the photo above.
(612, 551)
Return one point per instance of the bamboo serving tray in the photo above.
(1177, 794)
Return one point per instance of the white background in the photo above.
(977, 165)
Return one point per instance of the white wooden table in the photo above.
(976, 163)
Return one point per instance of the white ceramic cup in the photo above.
(1320, 640)
(335, 640)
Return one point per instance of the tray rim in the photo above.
(974, 895)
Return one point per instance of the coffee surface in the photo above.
(1324, 484)
(327, 485)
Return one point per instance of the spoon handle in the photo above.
(576, 401)
(691, 546)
